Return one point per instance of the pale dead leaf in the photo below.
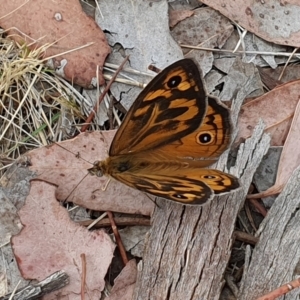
(68, 27)
(272, 20)
(9, 221)
(141, 30)
(253, 43)
(133, 238)
(239, 75)
(265, 175)
(292, 72)
(206, 28)
(275, 108)
(187, 5)
(125, 282)
(50, 241)
(289, 159)
(69, 172)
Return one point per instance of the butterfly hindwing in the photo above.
(209, 140)
(177, 181)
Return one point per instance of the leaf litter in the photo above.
(67, 170)
(270, 20)
(276, 108)
(288, 163)
(125, 282)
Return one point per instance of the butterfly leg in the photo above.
(106, 185)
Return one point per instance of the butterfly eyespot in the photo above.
(174, 82)
(209, 177)
(205, 138)
(179, 196)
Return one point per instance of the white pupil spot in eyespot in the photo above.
(209, 177)
(174, 81)
(179, 196)
(205, 138)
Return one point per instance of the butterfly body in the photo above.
(170, 134)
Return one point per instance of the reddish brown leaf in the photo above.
(289, 159)
(69, 171)
(271, 20)
(124, 284)
(50, 241)
(176, 16)
(275, 108)
(63, 24)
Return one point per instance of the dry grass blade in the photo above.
(35, 103)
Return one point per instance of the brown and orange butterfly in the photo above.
(170, 134)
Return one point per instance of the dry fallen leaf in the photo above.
(64, 25)
(50, 241)
(125, 282)
(290, 73)
(239, 74)
(206, 28)
(289, 159)
(68, 170)
(275, 108)
(141, 30)
(9, 220)
(272, 20)
(176, 16)
(133, 238)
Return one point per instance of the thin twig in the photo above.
(260, 208)
(121, 221)
(284, 289)
(287, 62)
(118, 238)
(241, 52)
(92, 114)
(83, 274)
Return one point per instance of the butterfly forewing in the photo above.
(172, 106)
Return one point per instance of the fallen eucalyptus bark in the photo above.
(52, 283)
(275, 259)
(188, 247)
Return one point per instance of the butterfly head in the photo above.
(98, 169)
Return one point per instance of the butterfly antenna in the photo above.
(66, 200)
(77, 155)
